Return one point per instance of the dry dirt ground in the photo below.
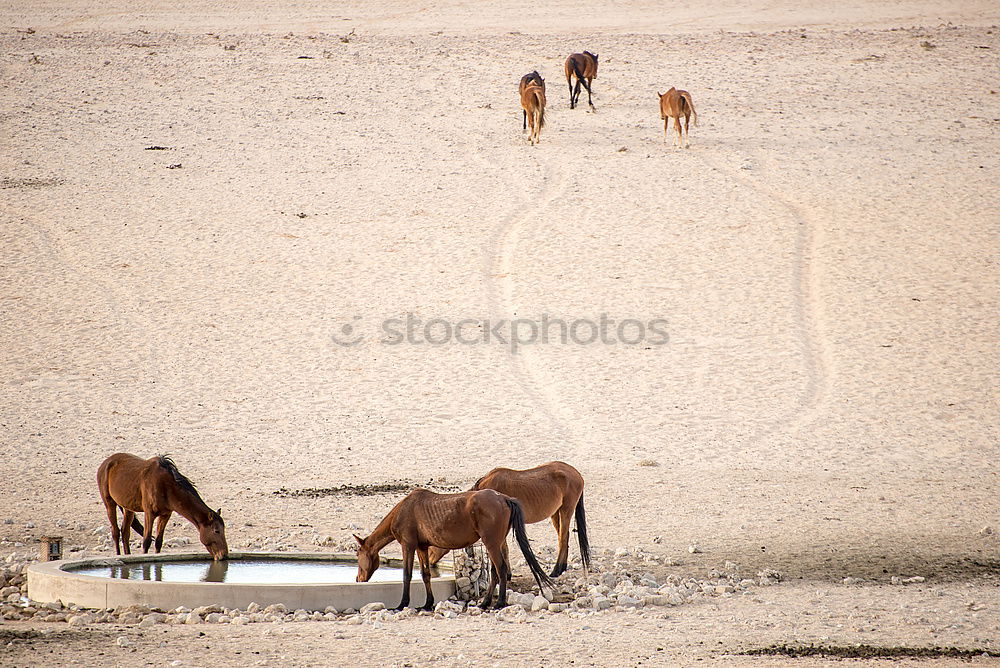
(195, 203)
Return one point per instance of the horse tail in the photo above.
(540, 99)
(137, 525)
(517, 524)
(576, 70)
(581, 533)
(686, 99)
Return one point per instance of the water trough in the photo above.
(167, 581)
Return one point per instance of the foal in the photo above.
(424, 519)
(532, 88)
(584, 67)
(673, 104)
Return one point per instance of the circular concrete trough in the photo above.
(63, 581)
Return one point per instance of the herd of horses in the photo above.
(583, 67)
(424, 523)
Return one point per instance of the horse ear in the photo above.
(361, 541)
(219, 511)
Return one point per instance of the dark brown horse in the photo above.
(532, 89)
(156, 488)
(550, 491)
(583, 66)
(424, 519)
(674, 104)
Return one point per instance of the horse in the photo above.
(533, 104)
(155, 487)
(550, 491)
(424, 519)
(584, 67)
(530, 77)
(673, 104)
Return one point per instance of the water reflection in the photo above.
(242, 571)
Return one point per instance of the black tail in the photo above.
(137, 525)
(581, 533)
(577, 72)
(517, 524)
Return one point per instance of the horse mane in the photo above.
(166, 462)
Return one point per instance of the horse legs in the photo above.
(524, 120)
(161, 526)
(561, 521)
(407, 576)
(572, 102)
(589, 101)
(666, 124)
(127, 516)
(425, 574)
(498, 555)
(113, 517)
(687, 131)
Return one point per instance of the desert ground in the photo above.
(199, 206)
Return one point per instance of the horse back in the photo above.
(449, 521)
(123, 477)
(541, 490)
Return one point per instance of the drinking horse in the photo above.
(425, 519)
(155, 487)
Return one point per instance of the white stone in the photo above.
(539, 603)
(240, 621)
(512, 614)
(122, 641)
(372, 607)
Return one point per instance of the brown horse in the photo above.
(156, 488)
(424, 519)
(583, 66)
(527, 79)
(673, 104)
(532, 89)
(550, 491)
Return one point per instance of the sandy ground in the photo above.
(824, 257)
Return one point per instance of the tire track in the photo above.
(500, 261)
(809, 312)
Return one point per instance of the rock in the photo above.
(180, 610)
(694, 548)
(29, 525)
(242, 620)
(213, 618)
(275, 609)
(583, 602)
(53, 605)
(724, 589)
(852, 581)
(557, 607)
(354, 620)
(193, 618)
(448, 606)
(301, 616)
(253, 607)
(122, 641)
(203, 610)
(914, 580)
(629, 602)
(80, 620)
(330, 609)
(539, 603)
(128, 618)
(747, 582)
(986, 531)
(147, 622)
(656, 599)
(601, 602)
(512, 614)
(372, 607)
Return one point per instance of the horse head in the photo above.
(213, 535)
(368, 561)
